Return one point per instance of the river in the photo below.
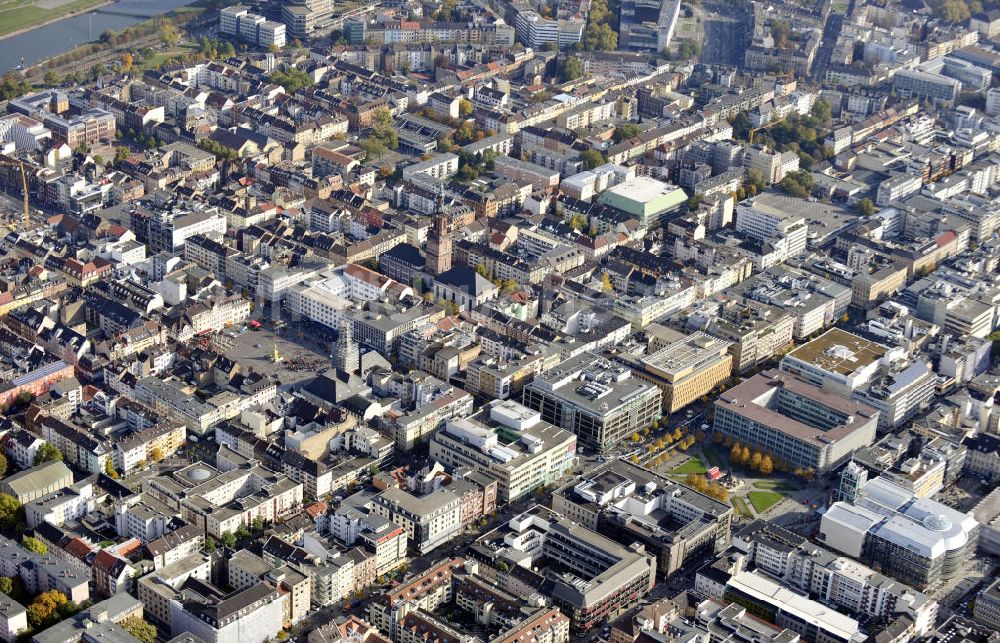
(63, 35)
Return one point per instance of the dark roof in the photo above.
(405, 253)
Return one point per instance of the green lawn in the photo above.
(741, 506)
(694, 465)
(764, 500)
(714, 457)
(774, 485)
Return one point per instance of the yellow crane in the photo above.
(24, 189)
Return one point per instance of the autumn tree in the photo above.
(606, 282)
(734, 453)
(45, 609)
(766, 465)
(697, 482)
(678, 434)
(140, 629)
(745, 455)
(127, 61)
(109, 469)
(755, 460)
(465, 107)
(156, 453)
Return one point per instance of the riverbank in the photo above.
(20, 20)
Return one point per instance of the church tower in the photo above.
(438, 255)
(346, 355)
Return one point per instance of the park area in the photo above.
(18, 15)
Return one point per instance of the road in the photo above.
(831, 32)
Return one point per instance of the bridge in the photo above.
(134, 13)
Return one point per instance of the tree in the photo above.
(373, 148)
(3, 465)
(140, 629)
(242, 532)
(109, 469)
(625, 132)
(745, 455)
(766, 465)
(210, 546)
(734, 453)
(156, 454)
(291, 79)
(258, 524)
(228, 539)
(696, 482)
(687, 49)
(11, 512)
(6, 585)
(599, 37)
(47, 452)
(50, 78)
(44, 610)
(678, 434)
(606, 282)
(465, 107)
(571, 69)
(755, 460)
(127, 61)
(35, 545)
(503, 567)
(635, 438)
(865, 207)
(591, 159)
(13, 85)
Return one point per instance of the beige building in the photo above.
(246, 569)
(868, 289)
(38, 481)
(686, 369)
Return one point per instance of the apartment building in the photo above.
(429, 520)
(837, 580)
(220, 502)
(509, 443)
(42, 573)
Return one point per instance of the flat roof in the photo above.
(803, 608)
(745, 400)
(839, 351)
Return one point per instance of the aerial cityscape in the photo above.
(499, 321)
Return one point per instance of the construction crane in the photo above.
(24, 189)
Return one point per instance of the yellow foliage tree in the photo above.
(766, 465)
(755, 460)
